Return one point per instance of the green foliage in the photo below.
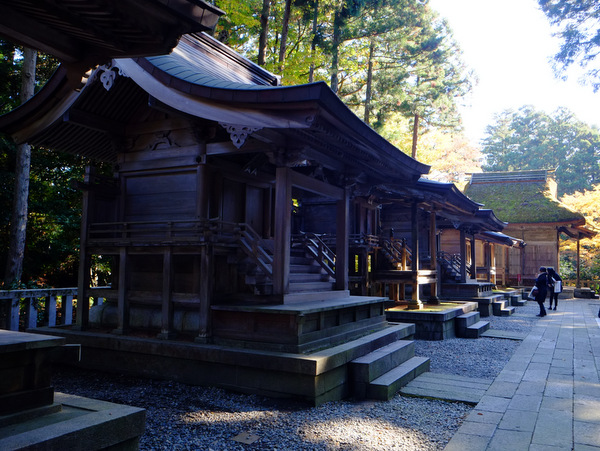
(585, 202)
(578, 24)
(416, 62)
(54, 206)
(530, 139)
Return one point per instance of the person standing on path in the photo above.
(555, 286)
(541, 283)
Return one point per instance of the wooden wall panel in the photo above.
(160, 197)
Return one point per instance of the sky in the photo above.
(509, 45)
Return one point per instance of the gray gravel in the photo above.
(181, 417)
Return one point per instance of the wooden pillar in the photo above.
(283, 230)
(473, 258)
(487, 258)
(167, 331)
(578, 282)
(83, 274)
(342, 242)
(205, 294)
(463, 256)
(433, 264)
(122, 301)
(415, 301)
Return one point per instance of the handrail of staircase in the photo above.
(453, 260)
(397, 252)
(256, 248)
(316, 247)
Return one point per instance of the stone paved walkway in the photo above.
(547, 397)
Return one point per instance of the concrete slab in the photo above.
(81, 423)
(509, 335)
(448, 387)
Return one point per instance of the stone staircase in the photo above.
(501, 309)
(469, 325)
(380, 374)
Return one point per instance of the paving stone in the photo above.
(462, 442)
(504, 440)
(476, 428)
(562, 389)
(493, 404)
(553, 428)
(525, 402)
(518, 420)
(587, 433)
(503, 389)
(479, 416)
(586, 409)
(550, 403)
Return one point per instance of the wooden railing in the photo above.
(28, 309)
(146, 233)
(397, 252)
(257, 248)
(452, 261)
(315, 246)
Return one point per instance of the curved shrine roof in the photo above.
(203, 79)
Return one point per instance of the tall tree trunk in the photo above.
(264, 32)
(284, 33)
(313, 45)
(415, 136)
(369, 92)
(18, 222)
(335, 48)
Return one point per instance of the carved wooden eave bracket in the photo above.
(239, 133)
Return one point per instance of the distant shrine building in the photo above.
(527, 201)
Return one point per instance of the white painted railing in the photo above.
(40, 307)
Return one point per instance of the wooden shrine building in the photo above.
(210, 217)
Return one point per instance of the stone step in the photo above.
(467, 319)
(498, 306)
(517, 301)
(365, 369)
(387, 385)
(448, 387)
(507, 311)
(476, 330)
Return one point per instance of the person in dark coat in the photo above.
(554, 287)
(541, 283)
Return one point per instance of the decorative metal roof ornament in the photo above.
(107, 73)
(239, 133)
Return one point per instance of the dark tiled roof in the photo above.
(201, 60)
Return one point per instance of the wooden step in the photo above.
(387, 385)
(308, 277)
(296, 287)
(305, 269)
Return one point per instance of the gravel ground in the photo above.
(180, 417)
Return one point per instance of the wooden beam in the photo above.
(316, 186)
(94, 122)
